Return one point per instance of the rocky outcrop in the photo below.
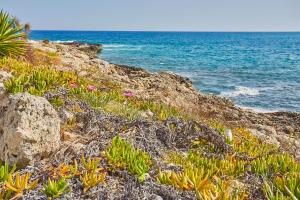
(171, 89)
(90, 49)
(29, 129)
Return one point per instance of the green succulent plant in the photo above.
(271, 192)
(6, 172)
(19, 184)
(91, 179)
(65, 171)
(275, 164)
(55, 189)
(91, 164)
(121, 154)
(38, 81)
(289, 185)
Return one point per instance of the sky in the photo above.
(157, 15)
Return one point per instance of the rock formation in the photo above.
(90, 49)
(29, 129)
(279, 128)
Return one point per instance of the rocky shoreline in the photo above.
(281, 128)
(49, 132)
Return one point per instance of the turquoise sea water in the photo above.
(255, 70)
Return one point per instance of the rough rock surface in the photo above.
(29, 129)
(281, 128)
(91, 49)
(4, 76)
(2, 91)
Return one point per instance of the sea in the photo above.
(259, 71)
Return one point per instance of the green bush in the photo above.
(11, 36)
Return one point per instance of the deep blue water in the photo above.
(257, 70)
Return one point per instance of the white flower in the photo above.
(228, 133)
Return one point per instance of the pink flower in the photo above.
(73, 85)
(128, 94)
(91, 87)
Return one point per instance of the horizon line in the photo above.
(167, 31)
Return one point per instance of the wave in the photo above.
(121, 47)
(258, 110)
(190, 75)
(64, 41)
(113, 45)
(56, 41)
(241, 91)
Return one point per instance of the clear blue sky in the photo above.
(164, 15)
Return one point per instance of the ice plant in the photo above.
(122, 154)
(92, 179)
(55, 189)
(20, 184)
(128, 94)
(5, 172)
(91, 164)
(65, 171)
(73, 85)
(91, 87)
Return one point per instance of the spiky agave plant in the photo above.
(12, 41)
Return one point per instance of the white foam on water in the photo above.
(56, 41)
(64, 41)
(190, 75)
(258, 110)
(113, 45)
(241, 91)
(121, 47)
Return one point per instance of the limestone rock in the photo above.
(2, 91)
(29, 129)
(4, 76)
(66, 116)
(90, 49)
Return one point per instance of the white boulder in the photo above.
(29, 129)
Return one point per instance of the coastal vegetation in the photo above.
(121, 154)
(209, 176)
(55, 189)
(11, 36)
(226, 166)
